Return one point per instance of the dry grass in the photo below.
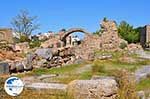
(127, 86)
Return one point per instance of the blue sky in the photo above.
(54, 15)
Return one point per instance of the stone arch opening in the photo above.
(73, 30)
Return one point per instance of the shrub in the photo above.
(35, 43)
(24, 38)
(122, 45)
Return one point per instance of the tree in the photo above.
(63, 30)
(105, 19)
(24, 24)
(97, 32)
(127, 32)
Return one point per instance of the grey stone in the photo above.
(4, 68)
(47, 86)
(45, 53)
(93, 89)
(143, 54)
(78, 61)
(142, 73)
(28, 61)
(19, 67)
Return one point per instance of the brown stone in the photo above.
(109, 37)
(6, 34)
(105, 88)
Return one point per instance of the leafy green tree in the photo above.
(24, 24)
(127, 32)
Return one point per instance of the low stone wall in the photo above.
(105, 88)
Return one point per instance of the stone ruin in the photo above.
(63, 52)
(59, 50)
(6, 34)
(109, 37)
(109, 40)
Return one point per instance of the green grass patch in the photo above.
(104, 67)
(57, 70)
(144, 84)
(86, 75)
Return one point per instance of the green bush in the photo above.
(123, 45)
(24, 38)
(35, 43)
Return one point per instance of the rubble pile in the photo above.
(46, 57)
(132, 48)
(21, 47)
(9, 55)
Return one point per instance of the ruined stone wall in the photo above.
(86, 49)
(109, 38)
(6, 34)
(148, 33)
(145, 35)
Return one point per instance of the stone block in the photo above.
(4, 68)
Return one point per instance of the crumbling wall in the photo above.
(109, 38)
(6, 34)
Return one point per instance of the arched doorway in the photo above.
(70, 31)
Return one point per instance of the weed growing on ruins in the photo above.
(127, 86)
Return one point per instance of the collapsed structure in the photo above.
(63, 49)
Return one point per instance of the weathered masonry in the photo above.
(6, 34)
(145, 36)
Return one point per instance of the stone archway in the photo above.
(70, 31)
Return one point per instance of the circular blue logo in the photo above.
(13, 86)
